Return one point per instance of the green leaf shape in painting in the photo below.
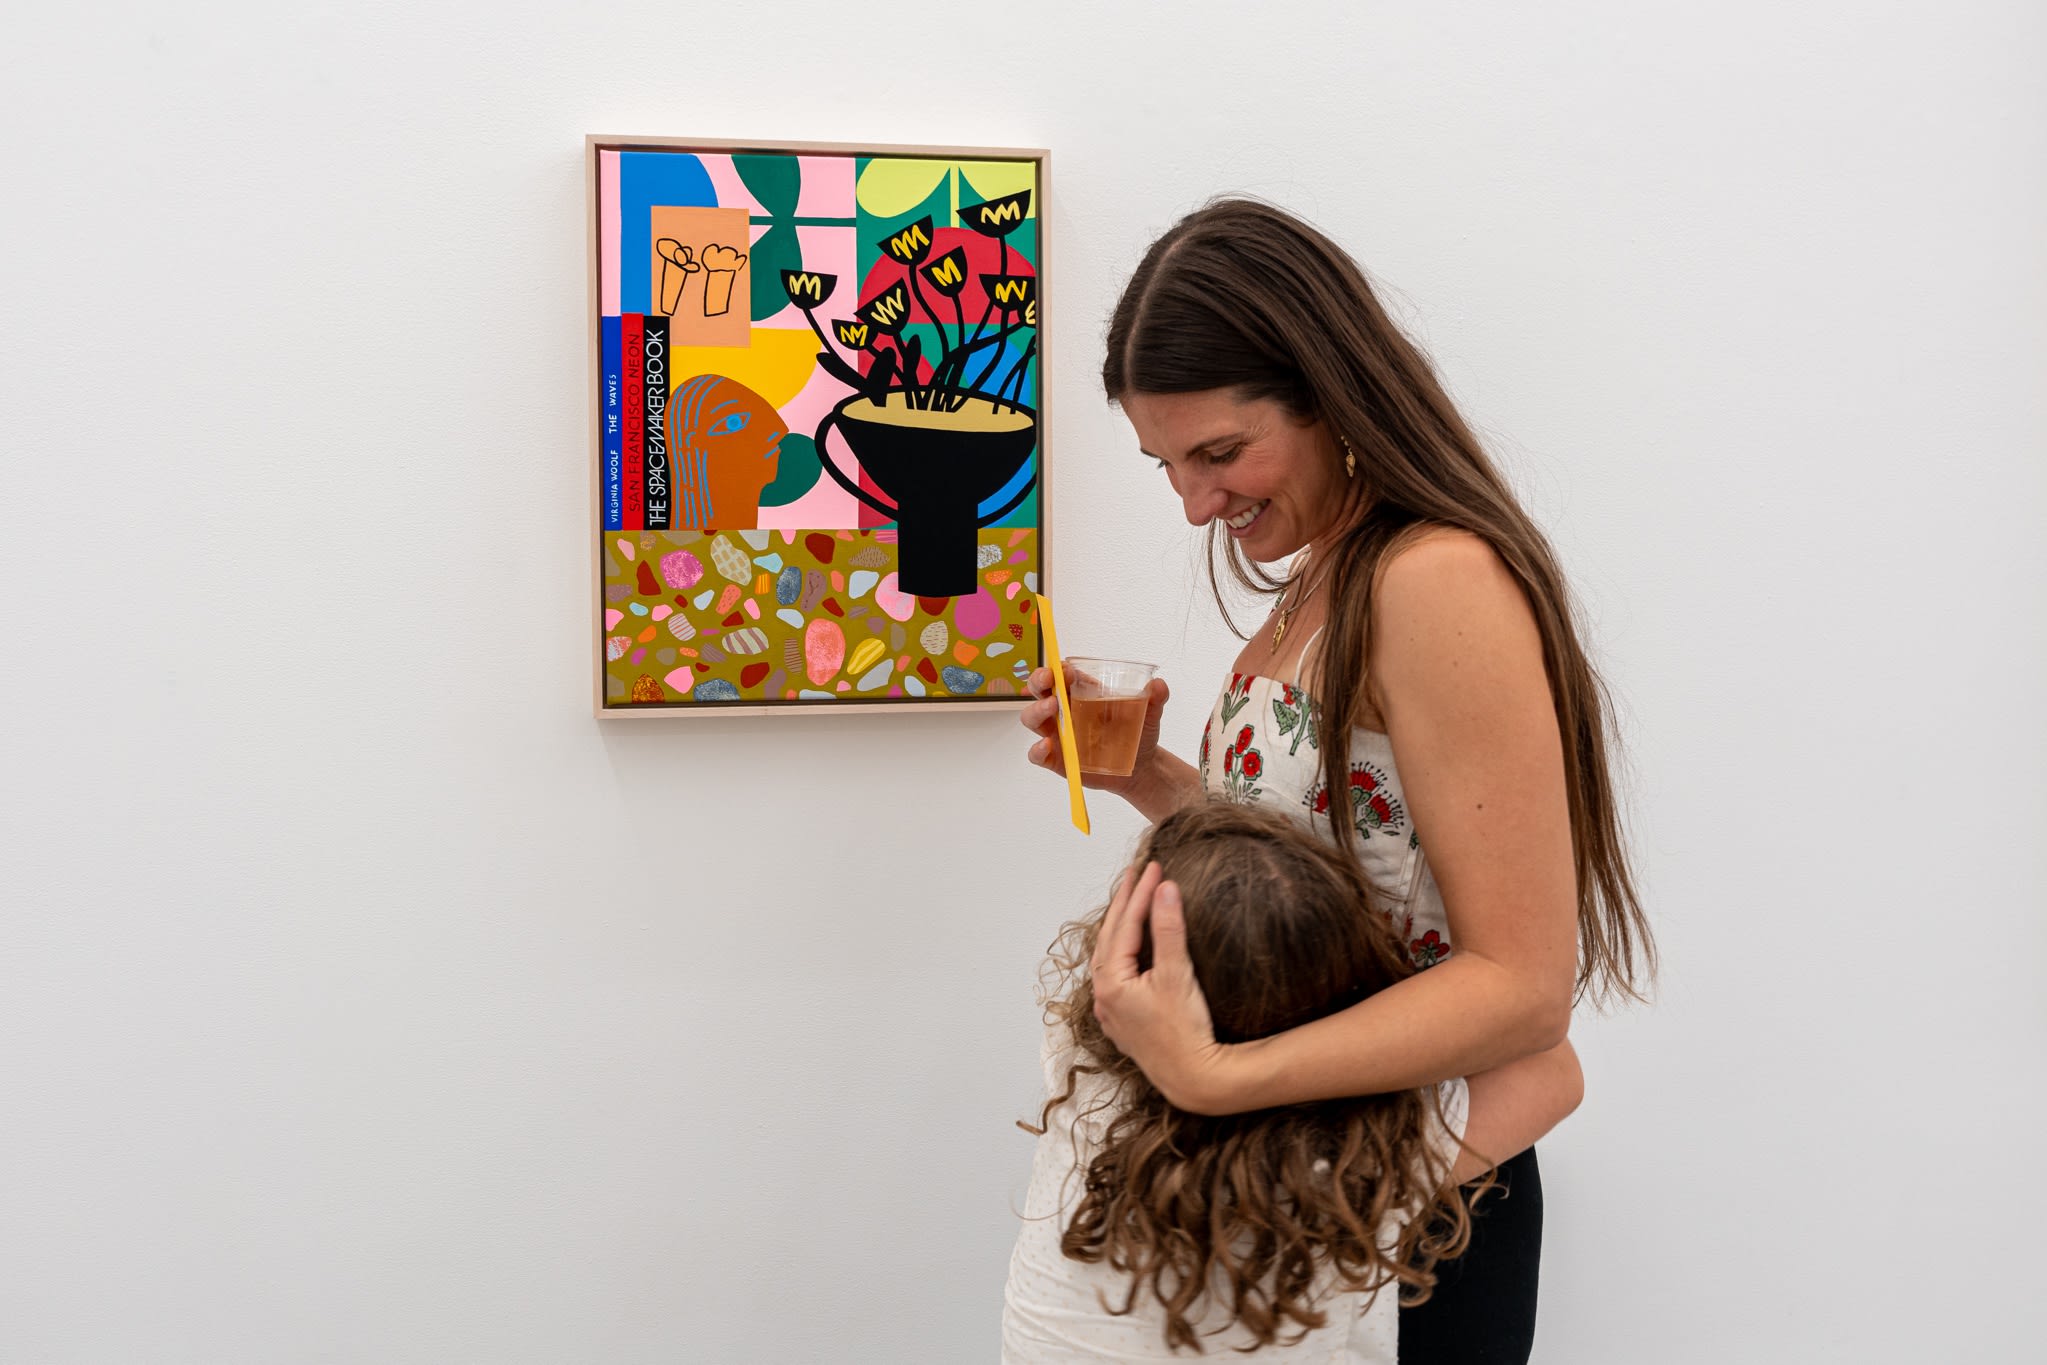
(796, 471)
(776, 251)
(775, 182)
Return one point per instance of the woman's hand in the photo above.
(1041, 718)
(1157, 1017)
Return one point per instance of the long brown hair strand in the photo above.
(1240, 295)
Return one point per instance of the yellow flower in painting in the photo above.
(853, 335)
(807, 288)
(948, 274)
(1011, 293)
(997, 217)
(912, 244)
(887, 312)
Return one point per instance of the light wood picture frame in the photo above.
(819, 431)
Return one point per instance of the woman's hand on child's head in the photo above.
(1156, 1016)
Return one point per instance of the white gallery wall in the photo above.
(364, 1000)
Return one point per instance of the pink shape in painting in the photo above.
(977, 616)
(826, 506)
(607, 231)
(827, 190)
(824, 651)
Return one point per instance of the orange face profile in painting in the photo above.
(723, 444)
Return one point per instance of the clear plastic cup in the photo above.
(1109, 698)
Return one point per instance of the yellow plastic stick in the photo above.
(1068, 747)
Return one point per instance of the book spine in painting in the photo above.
(632, 482)
(654, 380)
(612, 416)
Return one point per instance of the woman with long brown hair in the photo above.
(1418, 695)
(1289, 1233)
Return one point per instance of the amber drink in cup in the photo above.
(1109, 698)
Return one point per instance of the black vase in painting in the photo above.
(938, 464)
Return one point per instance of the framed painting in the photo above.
(817, 425)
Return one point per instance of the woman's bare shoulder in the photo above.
(1443, 596)
(1431, 561)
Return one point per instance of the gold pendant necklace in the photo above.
(1286, 613)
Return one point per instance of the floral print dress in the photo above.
(1263, 744)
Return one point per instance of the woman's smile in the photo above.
(1268, 477)
(1240, 525)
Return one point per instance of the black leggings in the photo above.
(1483, 1310)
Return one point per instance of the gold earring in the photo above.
(1350, 459)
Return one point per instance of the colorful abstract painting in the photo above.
(818, 448)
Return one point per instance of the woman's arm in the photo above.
(1462, 1017)
(1457, 663)
(1514, 1106)
(1162, 785)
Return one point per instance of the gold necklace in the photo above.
(1286, 612)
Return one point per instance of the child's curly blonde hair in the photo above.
(1279, 1206)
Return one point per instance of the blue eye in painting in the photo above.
(730, 424)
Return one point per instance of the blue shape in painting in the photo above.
(647, 180)
(986, 366)
(614, 436)
(1024, 513)
(982, 375)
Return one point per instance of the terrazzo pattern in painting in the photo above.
(695, 617)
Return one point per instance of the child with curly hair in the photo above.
(1290, 1233)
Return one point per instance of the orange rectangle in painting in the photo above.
(701, 273)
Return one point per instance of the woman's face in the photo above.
(1275, 482)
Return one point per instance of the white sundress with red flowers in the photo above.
(1263, 744)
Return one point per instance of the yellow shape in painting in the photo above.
(1008, 211)
(905, 245)
(975, 414)
(776, 366)
(993, 179)
(889, 307)
(890, 186)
